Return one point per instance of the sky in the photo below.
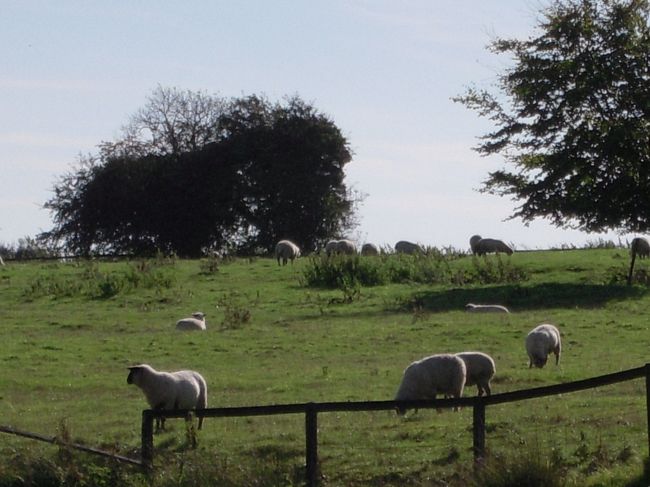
(385, 72)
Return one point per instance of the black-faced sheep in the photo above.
(437, 374)
(540, 342)
(286, 250)
(184, 389)
(195, 322)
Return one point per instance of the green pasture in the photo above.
(68, 331)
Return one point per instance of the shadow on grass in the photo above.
(518, 298)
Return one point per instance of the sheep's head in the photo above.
(540, 361)
(135, 373)
(198, 315)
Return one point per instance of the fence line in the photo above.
(57, 441)
(311, 410)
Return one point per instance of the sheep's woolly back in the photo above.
(490, 245)
(486, 308)
(437, 374)
(195, 322)
(480, 369)
(640, 247)
(404, 247)
(347, 247)
(286, 250)
(369, 249)
(167, 390)
(540, 342)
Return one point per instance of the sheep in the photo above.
(286, 250)
(2, 262)
(490, 245)
(184, 389)
(195, 322)
(404, 247)
(540, 342)
(343, 246)
(640, 247)
(480, 369)
(473, 242)
(369, 249)
(486, 308)
(436, 374)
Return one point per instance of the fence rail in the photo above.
(312, 409)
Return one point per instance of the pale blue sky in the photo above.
(384, 71)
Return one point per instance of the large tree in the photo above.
(572, 117)
(247, 175)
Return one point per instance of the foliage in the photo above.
(572, 118)
(27, 248)
(195, 173)
(434, 267)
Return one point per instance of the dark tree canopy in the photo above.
(574, 117)
(241, 179)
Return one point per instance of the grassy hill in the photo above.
(69, 330)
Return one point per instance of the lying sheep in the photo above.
(369, 249)
(540, 342)
(196, 322)
(491, 246)
(286, 250)
(480, 369)
(486, 308)
(346, 247)
(185, 389)
(640, 247)
(404, 247)
(437, 374)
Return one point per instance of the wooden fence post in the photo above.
(311, 434)
(147, 439)
(478, 429)
(647, 401)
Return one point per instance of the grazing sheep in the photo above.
(486, 308)
(286, 250)
(345, 246)
(473, 242)
(540, 342)
(196, 322)
(404, 247)
(369, 249)
(480, 369)
(437, 374)
(491, 246)
(640, 247)
(185, 389)
(2, 262)
(330, 247)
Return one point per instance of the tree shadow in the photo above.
(517, 297)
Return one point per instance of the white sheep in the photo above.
(480, 369)
(540, 342)
(330, 247)
(491, 246)
(640, 247)
(486, 308)
(2, 262)
(195, 322)
(437, 374)
(184, 389)
(404, 247)
(369, 249)
(286, 250)
(346, 247)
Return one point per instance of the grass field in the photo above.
(69, 330)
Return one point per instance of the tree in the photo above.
(254, 173)
(574, 117)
